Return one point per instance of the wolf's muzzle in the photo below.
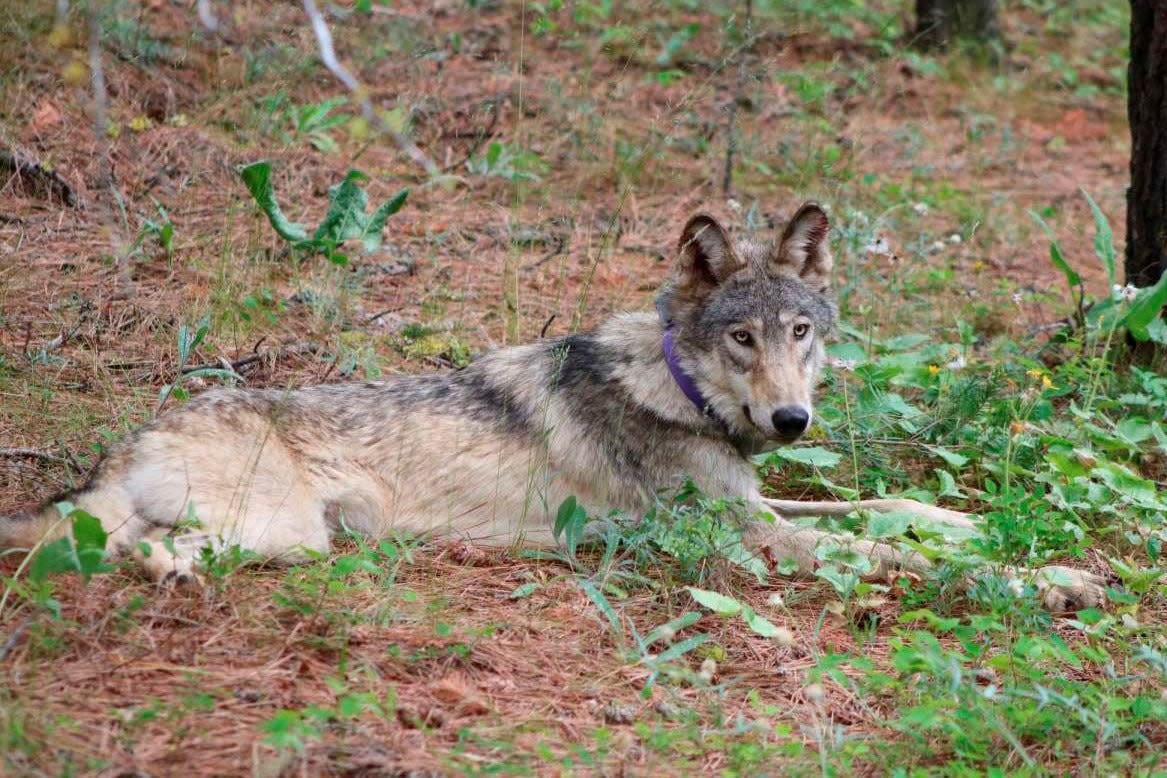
(790, 421)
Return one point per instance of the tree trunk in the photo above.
(938, 22)
(1146, 199)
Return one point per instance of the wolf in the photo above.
(725, 367)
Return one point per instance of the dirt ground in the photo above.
(622, 149)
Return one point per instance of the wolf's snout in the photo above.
(790, 421)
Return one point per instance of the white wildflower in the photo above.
(1129, 293)
(667, 633)
(957, 364)
(708, 670)
(955, 239)
(784, 637)
(733, 204)
(1018, 298)
(936, 247)
(775, 599)
(878, 246)
(1017, 586)
(846, 365)
(921, 208)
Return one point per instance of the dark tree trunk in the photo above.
(938, 22)
(1146, 200)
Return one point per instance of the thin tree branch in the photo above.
(32, 453)
(359, 92)
(207, 16)
(731, 122)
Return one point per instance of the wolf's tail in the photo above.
(23, 530)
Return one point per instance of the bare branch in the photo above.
(358, 91)
(32, 453)
(97, 81)
(207, 16)
(731, 121)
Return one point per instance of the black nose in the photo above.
(790, 421)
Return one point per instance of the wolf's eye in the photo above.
(743, 337)
(800, 331)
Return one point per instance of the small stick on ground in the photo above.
(359, 92)
(32, 453)
(14, 637)
(34, 178)
(271, 354)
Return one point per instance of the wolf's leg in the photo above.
(1062, 588)
(782, 540)
(939, 515)
(277, 533)
(166, 566)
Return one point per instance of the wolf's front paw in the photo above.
(1066, 589)
(181, 579)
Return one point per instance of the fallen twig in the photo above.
(32, 453)
(359, 92)
(235, 366)
(14, 637)
(33, 177)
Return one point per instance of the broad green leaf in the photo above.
(888, 525)
(524, 590)
(374, 229)
(759, 624)
(1119, 479)
(948, 487)
(843, 581)
(847, 351)
(601, 602)
(718, 603)
(1103, 239)
(54, 559)
(813, 455)
(1157, 331)
(936, 622)
(89, 537)
(1145, 309)
(1055, 253)
(949, 456)
(257, 177)
(566, 509)
(686, 619)
(1056, 576)
(679, 649)
(905, 342)
(346, 211)
(82, 553)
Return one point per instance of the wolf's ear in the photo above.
(706, 254)
(803, 251)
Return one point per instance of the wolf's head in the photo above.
(749, 319)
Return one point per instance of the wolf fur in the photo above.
(489, 452)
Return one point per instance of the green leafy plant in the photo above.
(1138, 311)
(345, 220)
(188, 341)
(506, 161)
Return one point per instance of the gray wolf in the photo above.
(725, 367)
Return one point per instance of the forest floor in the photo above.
(574, 142)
